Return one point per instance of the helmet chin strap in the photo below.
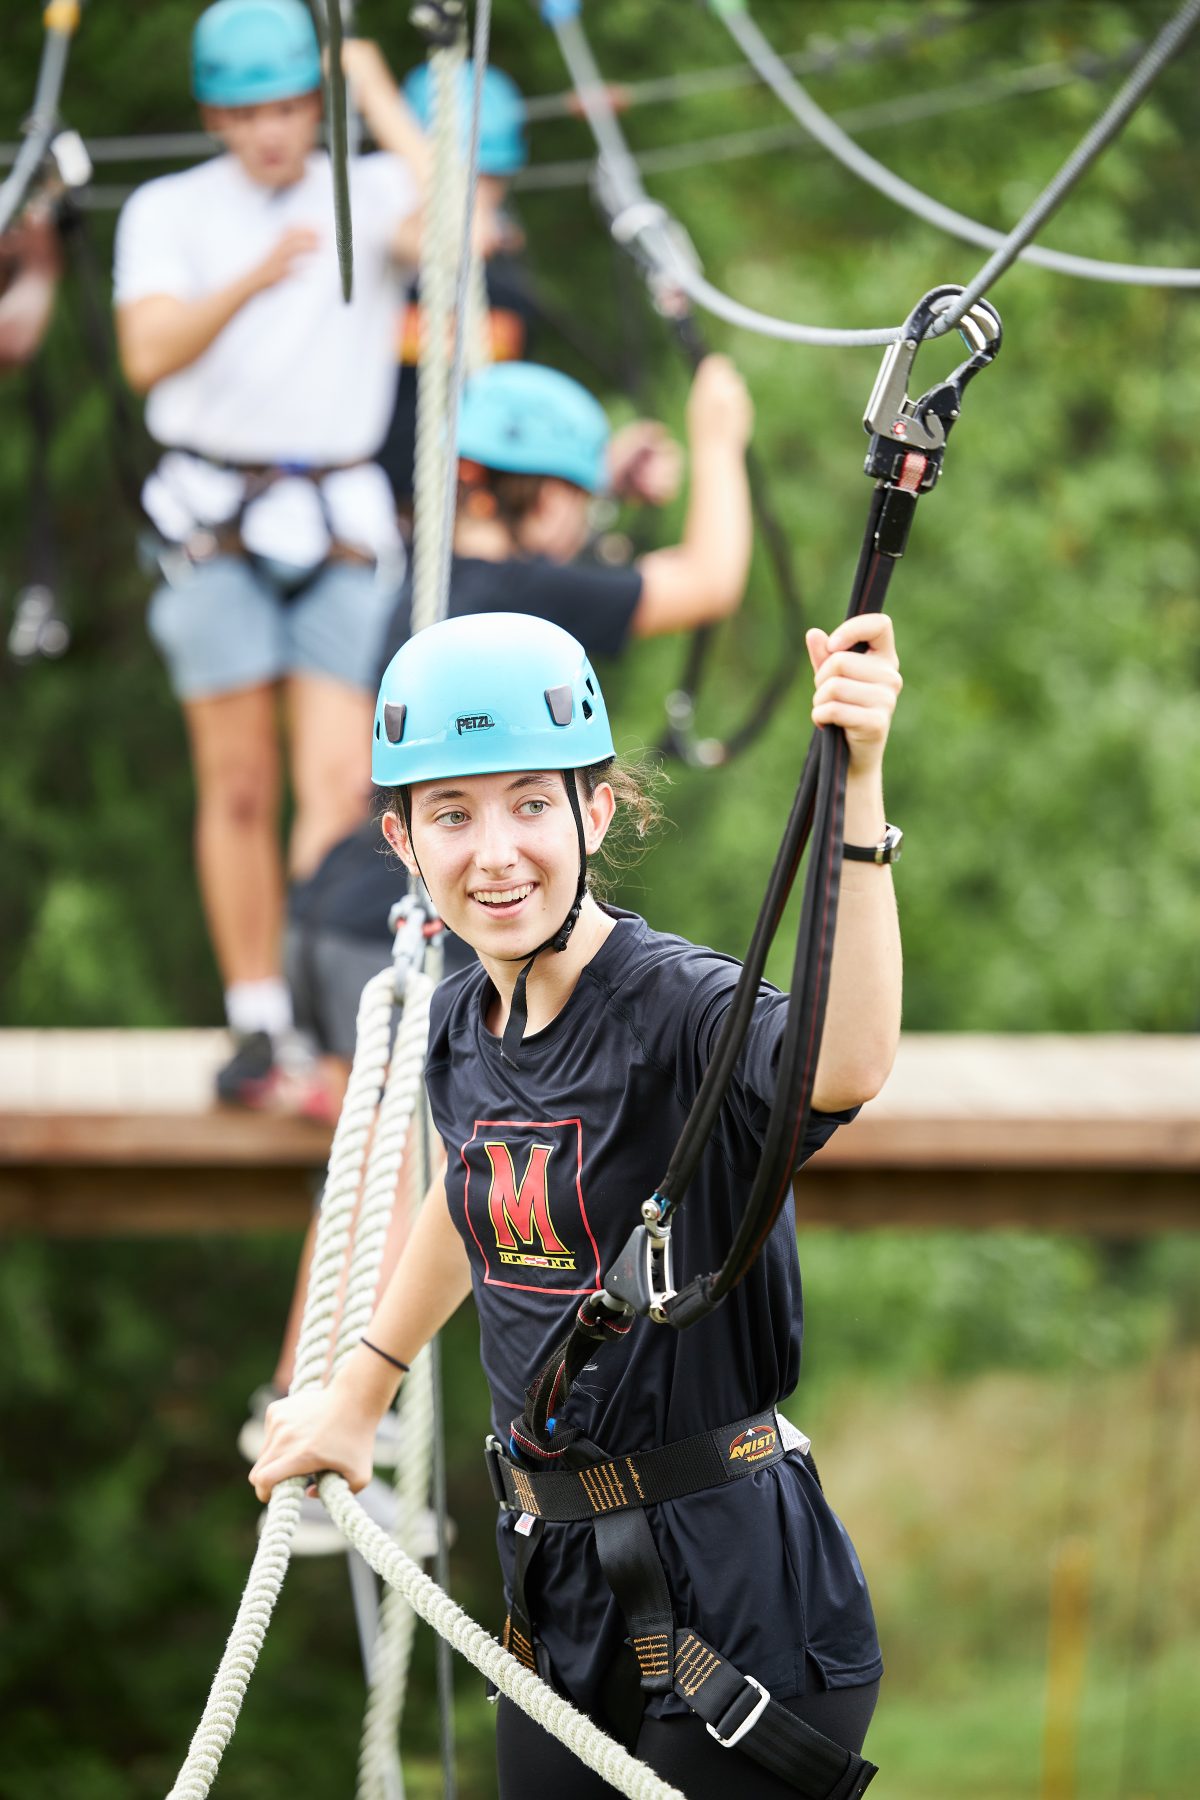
(518, 1010)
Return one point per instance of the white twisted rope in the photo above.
(433, 464)
(346, 1159)
(392, 1652)
(548, 1709)
(343, 1183)
(387, 1163)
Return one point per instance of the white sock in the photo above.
(259, 1006)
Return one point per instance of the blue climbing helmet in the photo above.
(502, 146)
(524, 419)
(248, 52)
(484, 695)
(487, 694)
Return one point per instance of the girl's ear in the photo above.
(598, 816)
(398, 840)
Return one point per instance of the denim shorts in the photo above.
(227, 624)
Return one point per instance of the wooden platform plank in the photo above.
(116, 1132)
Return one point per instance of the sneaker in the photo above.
(317, 1535)
(253, 1433)
(242, 1080)
(280, 1075)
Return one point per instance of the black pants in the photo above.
(531, 1762)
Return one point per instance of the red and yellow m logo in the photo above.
(524, 1210)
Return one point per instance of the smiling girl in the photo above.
(560, 1071)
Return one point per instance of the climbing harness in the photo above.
(907, 445)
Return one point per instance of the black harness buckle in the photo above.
(727, 1734)
(493, 1450)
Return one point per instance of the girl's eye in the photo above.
(533, 807)
(454, 816)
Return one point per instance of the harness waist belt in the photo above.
(645, 1477)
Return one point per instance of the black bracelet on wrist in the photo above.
(394, 1360)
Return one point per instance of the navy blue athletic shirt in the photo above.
(548, 1165)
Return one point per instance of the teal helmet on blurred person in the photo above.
(488, 694)
(249, 52)
(502, 146)
(524, 419)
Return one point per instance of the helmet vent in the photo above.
(393, 721)
(562, 705)
(587, 682)
(587, 709)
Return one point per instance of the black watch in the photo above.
(886, 851)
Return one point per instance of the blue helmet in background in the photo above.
(248, 52)
(502, 146)
(525, 419)
(487, 694)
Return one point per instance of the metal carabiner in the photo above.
(642, 1277)
(411, 920)
(924, 424)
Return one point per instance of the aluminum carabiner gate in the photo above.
(908, 437)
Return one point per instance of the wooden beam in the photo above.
(116, 1133)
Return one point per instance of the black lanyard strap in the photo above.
(904, 457)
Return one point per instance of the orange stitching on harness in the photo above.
(694, 1664)
(653, 1654)
(525, 1493)
(637, 1480)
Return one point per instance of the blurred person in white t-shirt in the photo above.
(277, 533)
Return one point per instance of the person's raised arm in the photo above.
(27, 303)
(702, 579)
(386, 113)
(862, 1018)
(334, 1427)
(160, 334)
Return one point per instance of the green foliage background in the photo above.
(1045, 766)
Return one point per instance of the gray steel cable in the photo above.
(876, 115)
(822, 59)
(638, 220)
(43, 122)
(820, 126)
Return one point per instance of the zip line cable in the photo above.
(823, 58)
(855, 48)
(654, 233)
(878, 115)
(773, 71)
(61, 19)
(690, 153)
(646, 226)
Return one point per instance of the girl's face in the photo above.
(500, 854)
